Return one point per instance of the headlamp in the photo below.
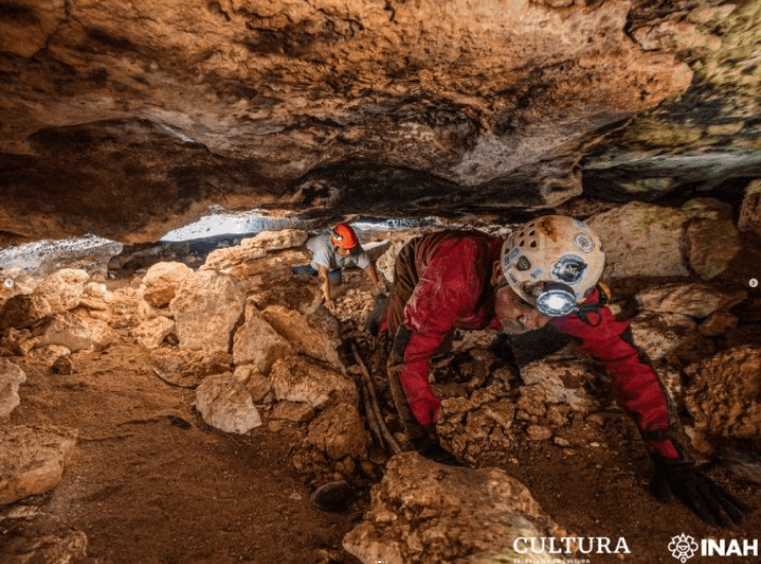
(556, 300)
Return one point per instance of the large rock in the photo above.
(316, 335)
(653, 241)
(57, 293)
(697, 299)
(206, 307)
(30, 535)
(724, 397)
(152, 333)
(32, 459)
(11, 377)
(161, 281)
(256, 342)
(661, 335)
(225, 403)
(295, 378)
(252, 248)
(339, 432)
(429, 513)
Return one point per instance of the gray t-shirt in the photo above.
(324, 254)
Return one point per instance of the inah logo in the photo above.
(683, 547)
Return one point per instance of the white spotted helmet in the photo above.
(554, 262)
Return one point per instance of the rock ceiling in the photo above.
(129, 118)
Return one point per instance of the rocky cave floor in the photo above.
(150, 482)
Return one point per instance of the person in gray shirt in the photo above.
(334, 250)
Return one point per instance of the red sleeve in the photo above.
(449, 286)
(638, 389)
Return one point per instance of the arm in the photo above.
(640, 392)
(637, 387)
(372, 275)
(323, 274)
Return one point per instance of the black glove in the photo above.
(428, 445)
(701, 494)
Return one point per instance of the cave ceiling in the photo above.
(127, 119)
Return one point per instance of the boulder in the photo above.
(661, 335)
(724, 397)
(161, 281)
(316, 335)
(11, 377)
(429, 513)
(29, 535)
(257, 342)
(259, 246)
(696, 299)
(206, 307)
(59, 292)
(32, 459)
(67, 330)
(224, 403)
(150, 334)
(655, 238)
(339, 432)
(297, 379)
(711, 244)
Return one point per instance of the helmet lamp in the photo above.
(556, 300)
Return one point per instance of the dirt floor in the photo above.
(149, 482)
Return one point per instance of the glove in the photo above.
(428, 445)
(701, 494)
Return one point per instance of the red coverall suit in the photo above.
(451, 276)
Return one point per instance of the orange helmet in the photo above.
(343, 236)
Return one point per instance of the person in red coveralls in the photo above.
(543, 281)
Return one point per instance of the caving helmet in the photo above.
(343, 236)
(553, 262)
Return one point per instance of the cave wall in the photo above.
(127, 120)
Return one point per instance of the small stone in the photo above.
(62, 365)
(538, 433)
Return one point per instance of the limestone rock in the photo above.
(339, 432)
(711, 246)
(32, 459)
(723, 397)
(257, 342)
(654, 239)
(161, 281)
(662, 334)
(255, 247)
(293, 411)
(11, 377)
(557, 379)
(47, 355)
(57, 293)
(694, 299)
(33, 536)
(430, 513)
(152, 333)
(257, 384)
(206, 307)
(316, 335)
(69, 331)
(718, 323)
(297, 379)
(225, 403)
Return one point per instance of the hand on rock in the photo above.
(701, 494)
